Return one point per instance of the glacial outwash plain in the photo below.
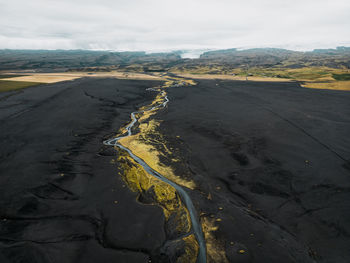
(236, 156)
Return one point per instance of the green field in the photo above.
(8, 85)
(341, 76)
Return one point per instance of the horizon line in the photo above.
(173, 50)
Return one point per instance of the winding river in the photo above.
(196, 226)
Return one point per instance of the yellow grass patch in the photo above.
(334, 85)
(57, 77)
(43, 78)
(230, 77)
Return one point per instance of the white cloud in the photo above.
(163, 24)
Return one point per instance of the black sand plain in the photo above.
(274, 158)
(58, 186)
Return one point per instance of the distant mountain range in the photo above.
(49, 60)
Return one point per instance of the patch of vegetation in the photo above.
(8, 85)
(6, 76)
(345, 76)
(305, 73)
(332, 85)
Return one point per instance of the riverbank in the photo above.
(156, 183)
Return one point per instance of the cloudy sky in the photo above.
(155, 25)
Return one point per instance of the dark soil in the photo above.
(58, 186)
(275, 157)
